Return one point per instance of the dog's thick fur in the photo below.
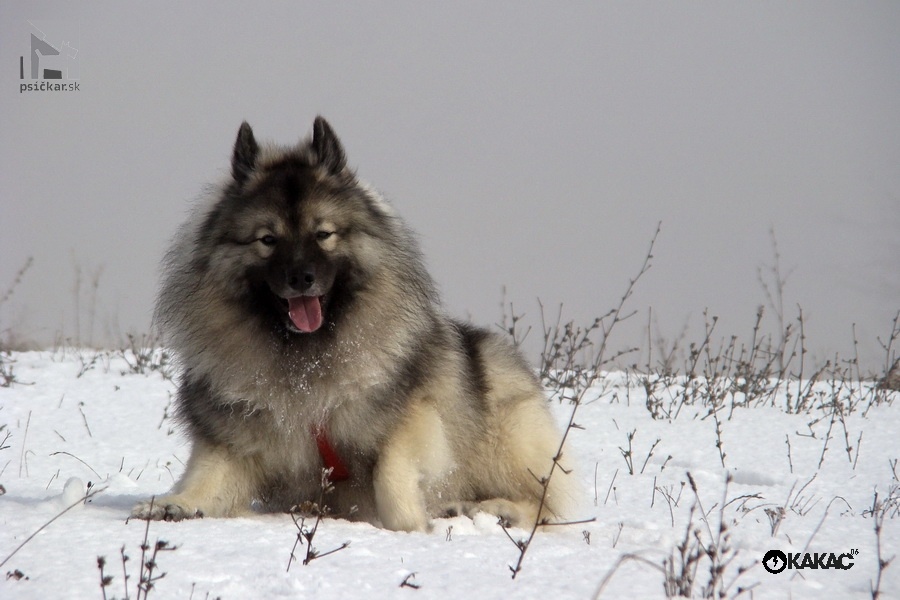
(297, 301)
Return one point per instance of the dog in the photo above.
(310, 337)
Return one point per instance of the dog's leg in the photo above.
(531, 440)
(417, 452)
(214, 484)
(519, 466)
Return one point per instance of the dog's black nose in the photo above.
(301, 280)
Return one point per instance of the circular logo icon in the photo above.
(774, 561)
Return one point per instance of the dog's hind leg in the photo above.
(523, 487)
(531, 443)
(510, 513)
(214, 484)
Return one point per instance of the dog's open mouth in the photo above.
(305, 312)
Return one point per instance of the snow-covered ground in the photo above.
(75, 418)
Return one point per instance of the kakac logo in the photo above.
(52, 62)
(776, 561)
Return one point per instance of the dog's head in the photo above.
(289, 226)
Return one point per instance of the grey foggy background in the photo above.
(533, 145)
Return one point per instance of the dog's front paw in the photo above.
(165, 509)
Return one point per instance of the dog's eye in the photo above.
(268, 240)
(324, 235)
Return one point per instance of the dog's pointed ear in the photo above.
(328, 147)
(243, 161)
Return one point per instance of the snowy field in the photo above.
(796, 481)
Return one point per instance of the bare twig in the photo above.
(22, 460)
(407, 583)
(93, 492)
(879, 509)
(305, 535)
(575, 344)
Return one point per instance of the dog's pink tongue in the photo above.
(305, 313)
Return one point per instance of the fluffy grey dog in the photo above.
(310, 336)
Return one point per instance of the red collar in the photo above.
(339, 471)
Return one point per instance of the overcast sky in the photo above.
(533, 145)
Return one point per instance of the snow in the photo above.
(77, 418)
